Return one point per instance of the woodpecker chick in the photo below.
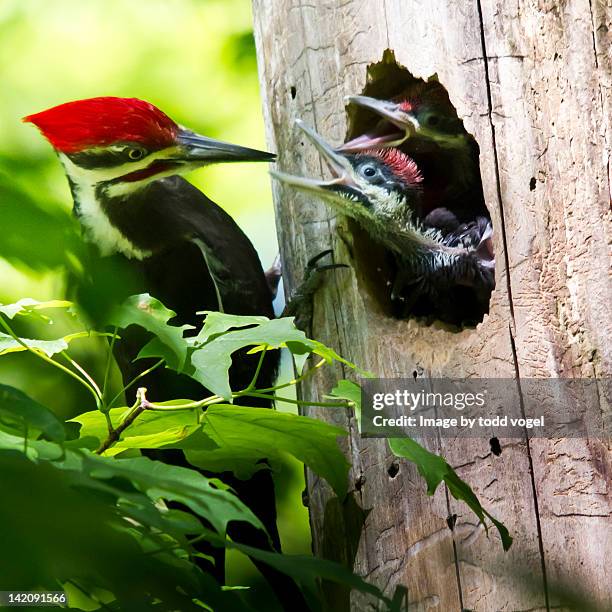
(381, 189)
(422, 122)
(422, 111)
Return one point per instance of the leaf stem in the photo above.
(297, 380)
(207, 401)
(159, 408)
(108, 362)
(135, 380)
(277, 398)
(258, 369)
(84, 372)
(44, 357)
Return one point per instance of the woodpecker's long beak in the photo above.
(398, 125)
(338, 164)
(199, 149)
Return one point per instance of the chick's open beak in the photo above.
(397, 124)
(339, 166)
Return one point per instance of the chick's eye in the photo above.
(433, 120)
(135, 153)
(368, 171)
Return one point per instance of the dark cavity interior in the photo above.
(456, 305)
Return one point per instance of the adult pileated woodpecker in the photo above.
(381, 189)
(422, 122)
(122, 157)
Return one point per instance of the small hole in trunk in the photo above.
(393, 470)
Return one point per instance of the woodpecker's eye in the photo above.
(368, 171)
(433, 120)
(135, 153)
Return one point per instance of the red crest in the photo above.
(420, 94)
(74, 126)
(403, 166)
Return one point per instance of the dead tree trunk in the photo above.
(531, 81)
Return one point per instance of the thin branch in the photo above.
(207, 401)
(138, 408)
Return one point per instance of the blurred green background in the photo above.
(195, 59)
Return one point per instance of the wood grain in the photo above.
(531, 80)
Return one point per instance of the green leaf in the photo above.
(157, 349)
(16, 406)
(330, 356)
(249, 433)
(149, 313)
(34, 449)
(307, 571)
(157, 480)
(174, 483)
(90, 542)
(436, 470)
(350, 391)
(27, 306)
(152, 428)
(8, 344)
(217, 323)
(211, 362)
(242, 462)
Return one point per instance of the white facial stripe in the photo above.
(99, 230)
(96, 225)
(88, 177)
(99, 175)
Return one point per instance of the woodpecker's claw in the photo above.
(313, 260)
(301, 304)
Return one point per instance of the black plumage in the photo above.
(152, 232)
(198, 255)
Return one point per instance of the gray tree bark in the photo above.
(531, 80)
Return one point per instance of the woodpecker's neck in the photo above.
(94, 205)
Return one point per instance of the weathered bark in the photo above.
(531, 80)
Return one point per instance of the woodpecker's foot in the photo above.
(301, 304)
